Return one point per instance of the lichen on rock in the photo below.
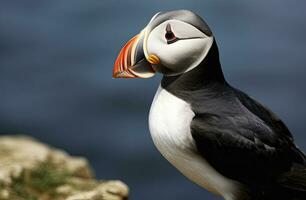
(30, 170)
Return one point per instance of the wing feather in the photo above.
(251, 146)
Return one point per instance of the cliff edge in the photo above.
(30, 170)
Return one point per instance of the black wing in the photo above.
(247, 142)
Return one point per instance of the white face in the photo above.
(182, 49)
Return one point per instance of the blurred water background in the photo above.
(56, 60)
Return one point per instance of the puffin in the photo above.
(214, 134)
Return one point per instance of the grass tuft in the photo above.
(43, 180)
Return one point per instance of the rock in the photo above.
(30, 170)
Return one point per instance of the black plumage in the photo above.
(239, 137)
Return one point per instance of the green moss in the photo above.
(20, 191)
(43, 180)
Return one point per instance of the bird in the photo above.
(216, 135)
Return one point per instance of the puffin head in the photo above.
(172, 43)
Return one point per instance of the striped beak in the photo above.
(132, 62)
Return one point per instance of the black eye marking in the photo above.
(170, 37)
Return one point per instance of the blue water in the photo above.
(56, 60)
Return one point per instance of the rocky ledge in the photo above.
(30, 170)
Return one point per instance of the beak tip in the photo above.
(123, 74)
(114, 75)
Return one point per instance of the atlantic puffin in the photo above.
(216, 135)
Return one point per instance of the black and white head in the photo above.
(172, 43)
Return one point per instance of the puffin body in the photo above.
(170, 121)
(214, 134)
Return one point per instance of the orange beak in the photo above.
(131, 61)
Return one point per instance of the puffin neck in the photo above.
(206, 74)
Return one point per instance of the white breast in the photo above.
(169, 123)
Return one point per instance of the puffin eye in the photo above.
(170, 37)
